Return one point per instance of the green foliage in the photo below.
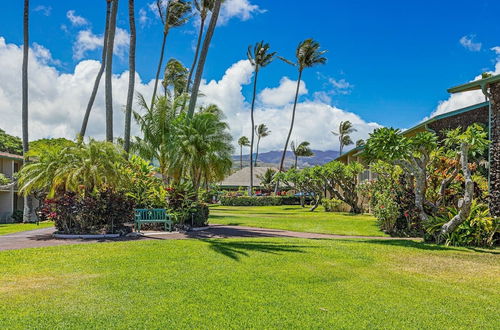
(243, 141)
(41, 147)
(267, 179)
(11, 144)
(17, 216)
(183, 203)
(4, 180)
(331, 204)
(479, 229)
(259, 201)
(475, 136)
(387, 212)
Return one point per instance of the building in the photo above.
(10, 201)
(241, 178)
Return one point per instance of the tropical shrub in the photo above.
(99, 212)
(259, 201)
(387, 212)
(479, 229)
(4, 180)
(331, 204)
(183, 203)
(17, 216)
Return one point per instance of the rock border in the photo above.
(83, 236)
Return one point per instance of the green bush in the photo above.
(17, 216)
(259, 200)
(331, 205)
(4, 180)
(386, 211)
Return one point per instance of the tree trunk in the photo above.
(195, 59)
(296, 158)
(131, 77)
(250, 189)
(466, 202)
(316, 204)
(109, 72)
(420, 188)
(241, 157)
(99, 74)
(158, 70)
(495, 150)
(28, 215)
(203, 58)
(257, 151)
(280, 169)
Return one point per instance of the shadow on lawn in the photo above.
(235, 250)
(425, 246)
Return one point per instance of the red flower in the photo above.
(382, 206)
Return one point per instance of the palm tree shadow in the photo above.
(237, 249)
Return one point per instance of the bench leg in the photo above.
(138, 227)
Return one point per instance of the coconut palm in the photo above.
(203, 7)
(301, 150)
(259, 57)
(28, 214)
(203, 57)
(243, 142)
(131, 77)
(345, 129)
(109, 71)
(262, 131)
(97, 81)
(307, 55)
(174, 14)
(175, 76)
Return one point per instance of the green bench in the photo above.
(152, 216)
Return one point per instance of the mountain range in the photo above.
(272, 158)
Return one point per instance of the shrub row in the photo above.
(259, 201)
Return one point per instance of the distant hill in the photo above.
(272, 158)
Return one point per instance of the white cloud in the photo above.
(468, 43)
(44, 55)
(75, 19)
(57, 101)
(496, 49)
(143, 17)
(314, 119)
(86, 41)
(44, 10)
(241, 9)
(283, 94)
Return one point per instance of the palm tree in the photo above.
(307, 55)
(28, 215)
(301, 150)
(242, 142)
(97, 81)
(109, 71)
(345, 128)
(203, 58)
(259, 57)
(175, 15)
(131, 77)
(262, 131)
(203, 7)
(175, 76)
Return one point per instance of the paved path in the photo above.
(43, 237)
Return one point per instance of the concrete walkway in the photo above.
(43, 237)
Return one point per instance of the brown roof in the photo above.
(10, 156)
(241, 178)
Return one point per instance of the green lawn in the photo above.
(18, 227)
(296, 218)
(250, 283)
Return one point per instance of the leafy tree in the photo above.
(243, 142)
(301, 150)
(11, 144)
(345, 129)
(308, 181)
(259, 57)
(267, 179)
(203, 57)
(307, 55)
(174, 14)
(99, 73)
(131, 76)
(262, 131)
(341, 181)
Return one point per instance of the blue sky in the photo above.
(389, 62)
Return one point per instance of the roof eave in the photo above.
(474, 85)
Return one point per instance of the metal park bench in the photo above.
(152, 216)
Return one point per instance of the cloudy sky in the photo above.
(389, 63)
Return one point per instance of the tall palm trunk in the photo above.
(198, 43)
(131, 79)
(250, 188)
(99, 74)
(158, 70)
(28, 215)
(109, 72)
(203, 57)
(290, 131)
(241, 157)
(257, 151)
(296, 159)
(495, 150)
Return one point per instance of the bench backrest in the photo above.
(150, 214)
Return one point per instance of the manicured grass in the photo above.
(18, 227)
(250, 283)
(296, 218)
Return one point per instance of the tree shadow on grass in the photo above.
(424, 246)
(237, 249)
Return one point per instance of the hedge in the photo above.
(259, 201)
